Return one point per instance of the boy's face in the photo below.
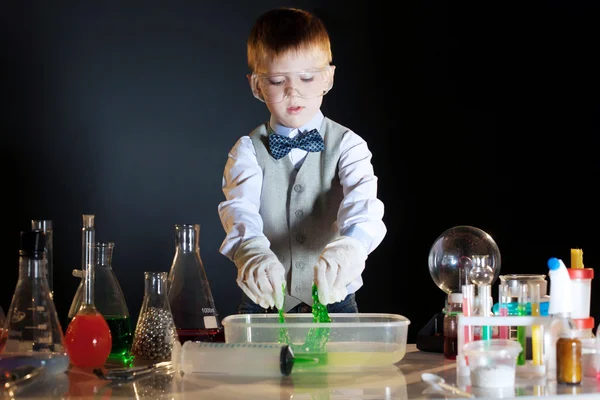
(295, 111)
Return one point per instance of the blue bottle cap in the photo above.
(553, 263)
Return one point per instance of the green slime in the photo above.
(314, 346)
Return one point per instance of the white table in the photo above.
(402, 381)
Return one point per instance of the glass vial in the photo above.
(45, 226)
(451, 312)
(568, 360)
(155, 335)
(32, 323)
(190, 297)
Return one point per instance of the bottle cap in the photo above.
(581, 273)
(455, 298)
(584, 323)
(33, 243)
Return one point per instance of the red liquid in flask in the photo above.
(88, 340)
(201, 335)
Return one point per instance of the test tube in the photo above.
(485, 295)
(537, 336)
(503, 298)
(468, 292)
(522, 330)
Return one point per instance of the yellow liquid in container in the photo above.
(349, 356)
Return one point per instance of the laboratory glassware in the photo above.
(45, 226)
(155, 336)
(88, 239)
(88, 337)
(32, 324)
(110, 301)
(451, 313)
(190, 296)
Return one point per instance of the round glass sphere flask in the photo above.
(463, 255)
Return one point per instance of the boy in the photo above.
(300, 191)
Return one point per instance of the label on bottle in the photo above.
(210, 321)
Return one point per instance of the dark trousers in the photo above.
(348, 305)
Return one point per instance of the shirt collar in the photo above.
(314, 123)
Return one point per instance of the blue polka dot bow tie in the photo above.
(280, 145)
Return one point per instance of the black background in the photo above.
(477, 113)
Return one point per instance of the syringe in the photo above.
(258, 359)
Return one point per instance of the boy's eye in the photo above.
(276, 80)
(306, 77)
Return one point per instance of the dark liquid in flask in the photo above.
(201, 335)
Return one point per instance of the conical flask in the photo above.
(109, 300)
(190, 297)
(155, 335)
(32, 324)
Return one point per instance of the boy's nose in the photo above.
(292, 91)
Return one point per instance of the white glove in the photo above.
(260, 273)
(340, 262)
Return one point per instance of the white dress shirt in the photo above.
(360, 213)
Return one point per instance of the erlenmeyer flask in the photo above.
(45, 226)
(190, 297)
(155, 334)
(32, 324)
(109, 301)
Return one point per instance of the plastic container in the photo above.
(352, 341)
(581, 283)
(493, 362)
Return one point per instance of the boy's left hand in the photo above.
(341, 262)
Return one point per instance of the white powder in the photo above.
(493, 376)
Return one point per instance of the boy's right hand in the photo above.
(260, 273)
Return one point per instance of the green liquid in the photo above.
(316, 339)
(122, 335)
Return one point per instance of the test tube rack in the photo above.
(462, 368)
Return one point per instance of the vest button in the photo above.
(298, 188)
(300, 238)
(297, 289)
(299, 213)
(300, 264)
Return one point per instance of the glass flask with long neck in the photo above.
(32, 324)
(190, 297)
(88, 338)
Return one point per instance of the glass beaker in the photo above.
(45, 226)
(32, 322)
(109, 300)
(190, 297)
(155, 334)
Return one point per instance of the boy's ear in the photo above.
(331, 75)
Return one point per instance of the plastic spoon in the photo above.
(436, 380)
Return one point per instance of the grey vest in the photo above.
(299, 207)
